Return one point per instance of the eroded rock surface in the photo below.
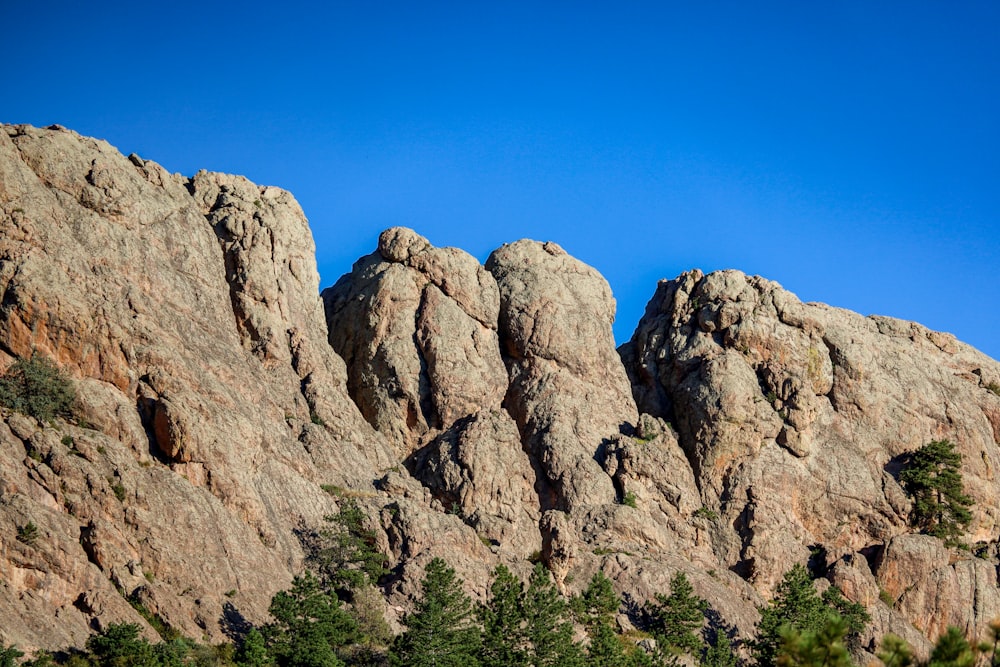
(417, 327)
(794, 418)
(568, 390)
(187, 311)
(478, 413)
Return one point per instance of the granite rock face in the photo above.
(187, 312)
(794, 418)
(478, 413)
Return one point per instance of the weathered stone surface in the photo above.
(476, 413)
(194, 330)
(568, 391)
(933, 588)
(794, 416)
(480, 472)
(417, 328)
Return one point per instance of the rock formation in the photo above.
(478, 413)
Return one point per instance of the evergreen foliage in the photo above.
(8, 655)
(348, 556)
(677, 618)
(822, 647)
(796, 604)
(607, 649)
(253, 651)
(120, 645)
(598, 603)
(503, 620)
(852, 613)
(952, 650)
(719, 652)
(309, 625)
(895, 652)
(932, 478)
(549, 630)
(440, 632)
(37, 387)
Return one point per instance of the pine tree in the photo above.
(895, 652)
(719, 652)
(606, 649)
(598, 603)
(952, 650)
(933, 479)
(797, 605)
(347, 556)
(37, 387)
(440, 633)
(309, 625)
(120, 645)
(822, 647)
(253, 652)
(677, 618)
(549, 631)
(9, 655)
(503, 620)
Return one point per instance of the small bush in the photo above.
(38, 388)
(629, 499)
(706, 513)
(28, 533)
(994, 387)
(119, 490)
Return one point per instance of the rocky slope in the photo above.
(479, 413)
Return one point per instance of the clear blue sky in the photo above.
(848, 150)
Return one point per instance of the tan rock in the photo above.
(417, 327)
(568, 391)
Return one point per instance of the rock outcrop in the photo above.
(187, 311)
(794, 418)
(479, 413)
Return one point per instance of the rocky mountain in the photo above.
(478, 413)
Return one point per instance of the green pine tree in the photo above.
(952, 649)
(607, 649)
(549, 631)
(309, 625)
(677, 618)
(503, 620)
(822, 647)
(719, 651)
(932, 478)
(347, 556)
(598, 604)
(797, 605)
(253, 651)
(895, 652)
(440, 632)
(119, 645)
(9, 655)
(37, 387)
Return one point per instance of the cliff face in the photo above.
(478, 413)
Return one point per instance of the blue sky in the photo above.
(849, 150)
